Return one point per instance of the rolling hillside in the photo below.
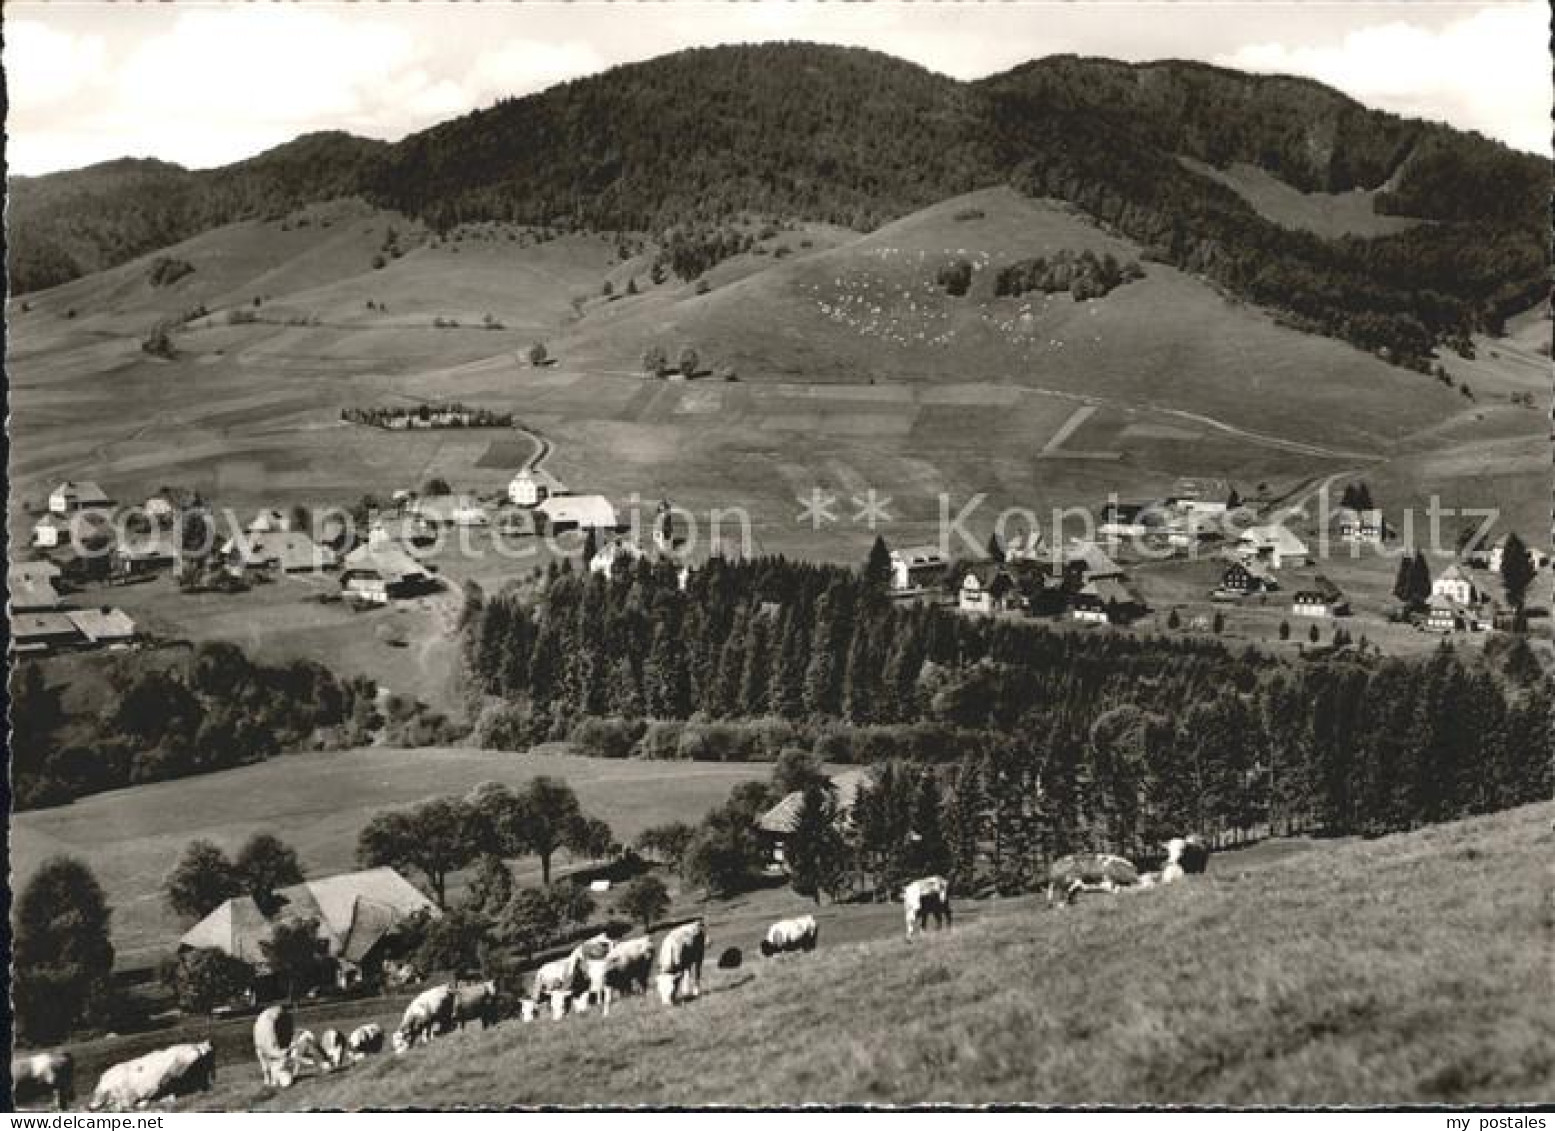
(699, 137)
(1409, 969)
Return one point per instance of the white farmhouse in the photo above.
(916, 567)
(579, 512)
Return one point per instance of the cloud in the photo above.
(45, 67)
(525, 66)
(1488, 72)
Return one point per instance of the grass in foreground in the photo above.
(1412, 969)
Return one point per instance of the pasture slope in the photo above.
(1410, 969)
(317, 803)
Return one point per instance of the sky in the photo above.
(204, 84)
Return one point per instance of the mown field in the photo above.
(1410, 969)
(318, 803)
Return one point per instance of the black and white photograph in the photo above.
(780, 554)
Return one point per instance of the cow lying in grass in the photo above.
(1086, 872)
(791, 935)
(174, 1071)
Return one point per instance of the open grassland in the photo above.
(318, 803)
(1327, 214)
(1410, 969)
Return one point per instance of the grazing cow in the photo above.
(475, 1003)
(680, 962)
(365, 1039)
(925, 897)
(44, 1074)
(730, 958)
(787, 935)
(273, 1046)
(1088, 871)
(1184, 856)
(428, 1016)
(562, 979)
(173, 1071)
(333, 1046)
(624, 968)
(305, 1051)
(528, 1009)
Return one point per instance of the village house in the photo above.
(1122, 520)
(160, 510)
(616, 550)
(411, 530)
(1242, 578)
(1362, 527)
(1106, 601)
(269, 521)
(1273, 545)
(450, 510)
(382, 573)
(51, 532)
(989, 588)
(287, 551)
(140, 556)
(916, 567)
(32, 587)
(579, 512)
(532, 486)
(1090, 561)
(1322, 599)
(70, 497)
(1541, 560)
(777, 825)
(35, 633)
(1028, 547)
(1456, 586)
(1445, 614)
(103, 627)
(357, 913)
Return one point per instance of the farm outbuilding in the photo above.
(579, 512)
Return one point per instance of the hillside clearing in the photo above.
(1409, 969)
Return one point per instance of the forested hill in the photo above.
(858, 138)
(65, 225)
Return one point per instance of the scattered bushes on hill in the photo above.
(955, 277)
(159, 342)
(1084, 275)
(165, 270)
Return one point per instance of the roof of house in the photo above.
(385, 560)
(1321, 589)
(148, 547)
(290, 549)
(1275, 537)
(85, 492)
(102, 624)
(918, 555)
(784, 816)
(59, 521)
(1452, 573)
(582, 510)
(1111, 589)
(36, 626)
(541, 478)
(354, 911)
(446, 508)
(29, 591)
(1093, 558)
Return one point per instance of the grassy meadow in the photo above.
(317, 803)
(1409, 969)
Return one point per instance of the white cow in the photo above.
(562, 979)
(1184, 856)
(925, 897)
(273, 1046)
(1088, 871)
(428, 1016)
(44, 1074)
(168, 1072)
(479, 1002)
(625, 968)
(365, 1039)
(680, 962)
(788, 935)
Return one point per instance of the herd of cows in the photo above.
(596, 972)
